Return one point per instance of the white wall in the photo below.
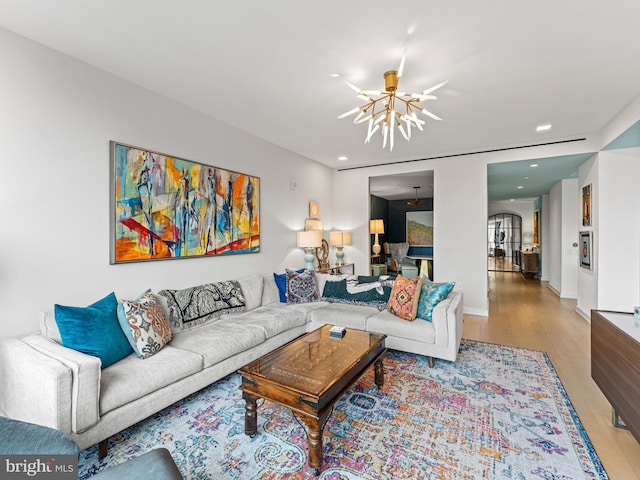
(588, 279)
(571, 215)
(618, 232)
(563, 232)
(460, 221)
(57, 116)
(545, 237)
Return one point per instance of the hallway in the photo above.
(527, 314)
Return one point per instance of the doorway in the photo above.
(504, 242)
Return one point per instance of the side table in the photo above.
(378, 269)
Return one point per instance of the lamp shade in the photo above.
(312, 239)
(376, 226)
(340, 238)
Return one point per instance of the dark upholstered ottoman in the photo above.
(156, 464)
(22, 438)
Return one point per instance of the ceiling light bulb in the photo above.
(520, 186)
(542, 128)
(533, 165)
(342, 158)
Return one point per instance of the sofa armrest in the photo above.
(34, 387)
(85, 387)
(447, 319)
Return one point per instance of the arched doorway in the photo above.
(504, 241)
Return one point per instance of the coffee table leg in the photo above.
(250, 415)
(379, 373)
(314, 435)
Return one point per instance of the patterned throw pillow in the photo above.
(301, 287)
(143, 323)
(199, 305)
(404, 295)
(431, 294)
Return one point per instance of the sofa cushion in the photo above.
(272, 319)
(393, 326)
(130, 379)
(430, 295)
(219, 340)
(195, 306)
(252, 290)
(270, 293)
(403, 301)
(143, 323)
(301, 287)
(351, 316)
(93, 330)
(281, 284)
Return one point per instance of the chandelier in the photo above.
(390, 109)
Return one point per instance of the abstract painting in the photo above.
(420, 228)
(164, 207)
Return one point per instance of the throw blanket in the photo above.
(198, 305)
(369, 291)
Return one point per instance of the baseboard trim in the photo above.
(583, 314)
(481, 312)
(553, 290)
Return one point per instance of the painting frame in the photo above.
(585, 246)
(314, 209)
(419, 228)
(536, 227)
(165, 207)
(586, 206)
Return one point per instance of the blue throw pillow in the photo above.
(94, 330)
(281, 283)
(431, 294)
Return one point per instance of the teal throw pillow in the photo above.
(431, 294)
(94, 330)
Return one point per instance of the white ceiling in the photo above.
(265, 66)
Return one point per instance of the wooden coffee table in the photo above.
(308, 375)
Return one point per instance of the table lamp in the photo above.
(339, 240)
(376, 227)
(309, 241)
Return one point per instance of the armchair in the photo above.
(397, 260)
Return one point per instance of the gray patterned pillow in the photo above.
(198, 305)
(301, 287)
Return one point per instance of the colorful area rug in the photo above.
(497, 413)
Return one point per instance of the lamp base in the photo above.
(339, 256)
(376, 249)
(308, 258)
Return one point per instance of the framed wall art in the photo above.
(164, 207)
(536, 227)
(314, 209)
(586, 205)
(420, 228)
(585, 245)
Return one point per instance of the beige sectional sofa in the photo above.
(43, 382)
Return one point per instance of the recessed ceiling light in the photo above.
(511, 200)
(533, 165)
(526, 178)
(542, 128)
(334, 75)
(520, 186)
(342, 158)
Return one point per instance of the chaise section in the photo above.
(132, 378)
(387, 323)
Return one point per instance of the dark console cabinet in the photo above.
(615, 364)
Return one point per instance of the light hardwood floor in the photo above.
(526, 313)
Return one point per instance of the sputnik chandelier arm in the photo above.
(389, 109)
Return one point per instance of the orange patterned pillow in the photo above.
(403, 301)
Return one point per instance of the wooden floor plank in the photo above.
(526, 313)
